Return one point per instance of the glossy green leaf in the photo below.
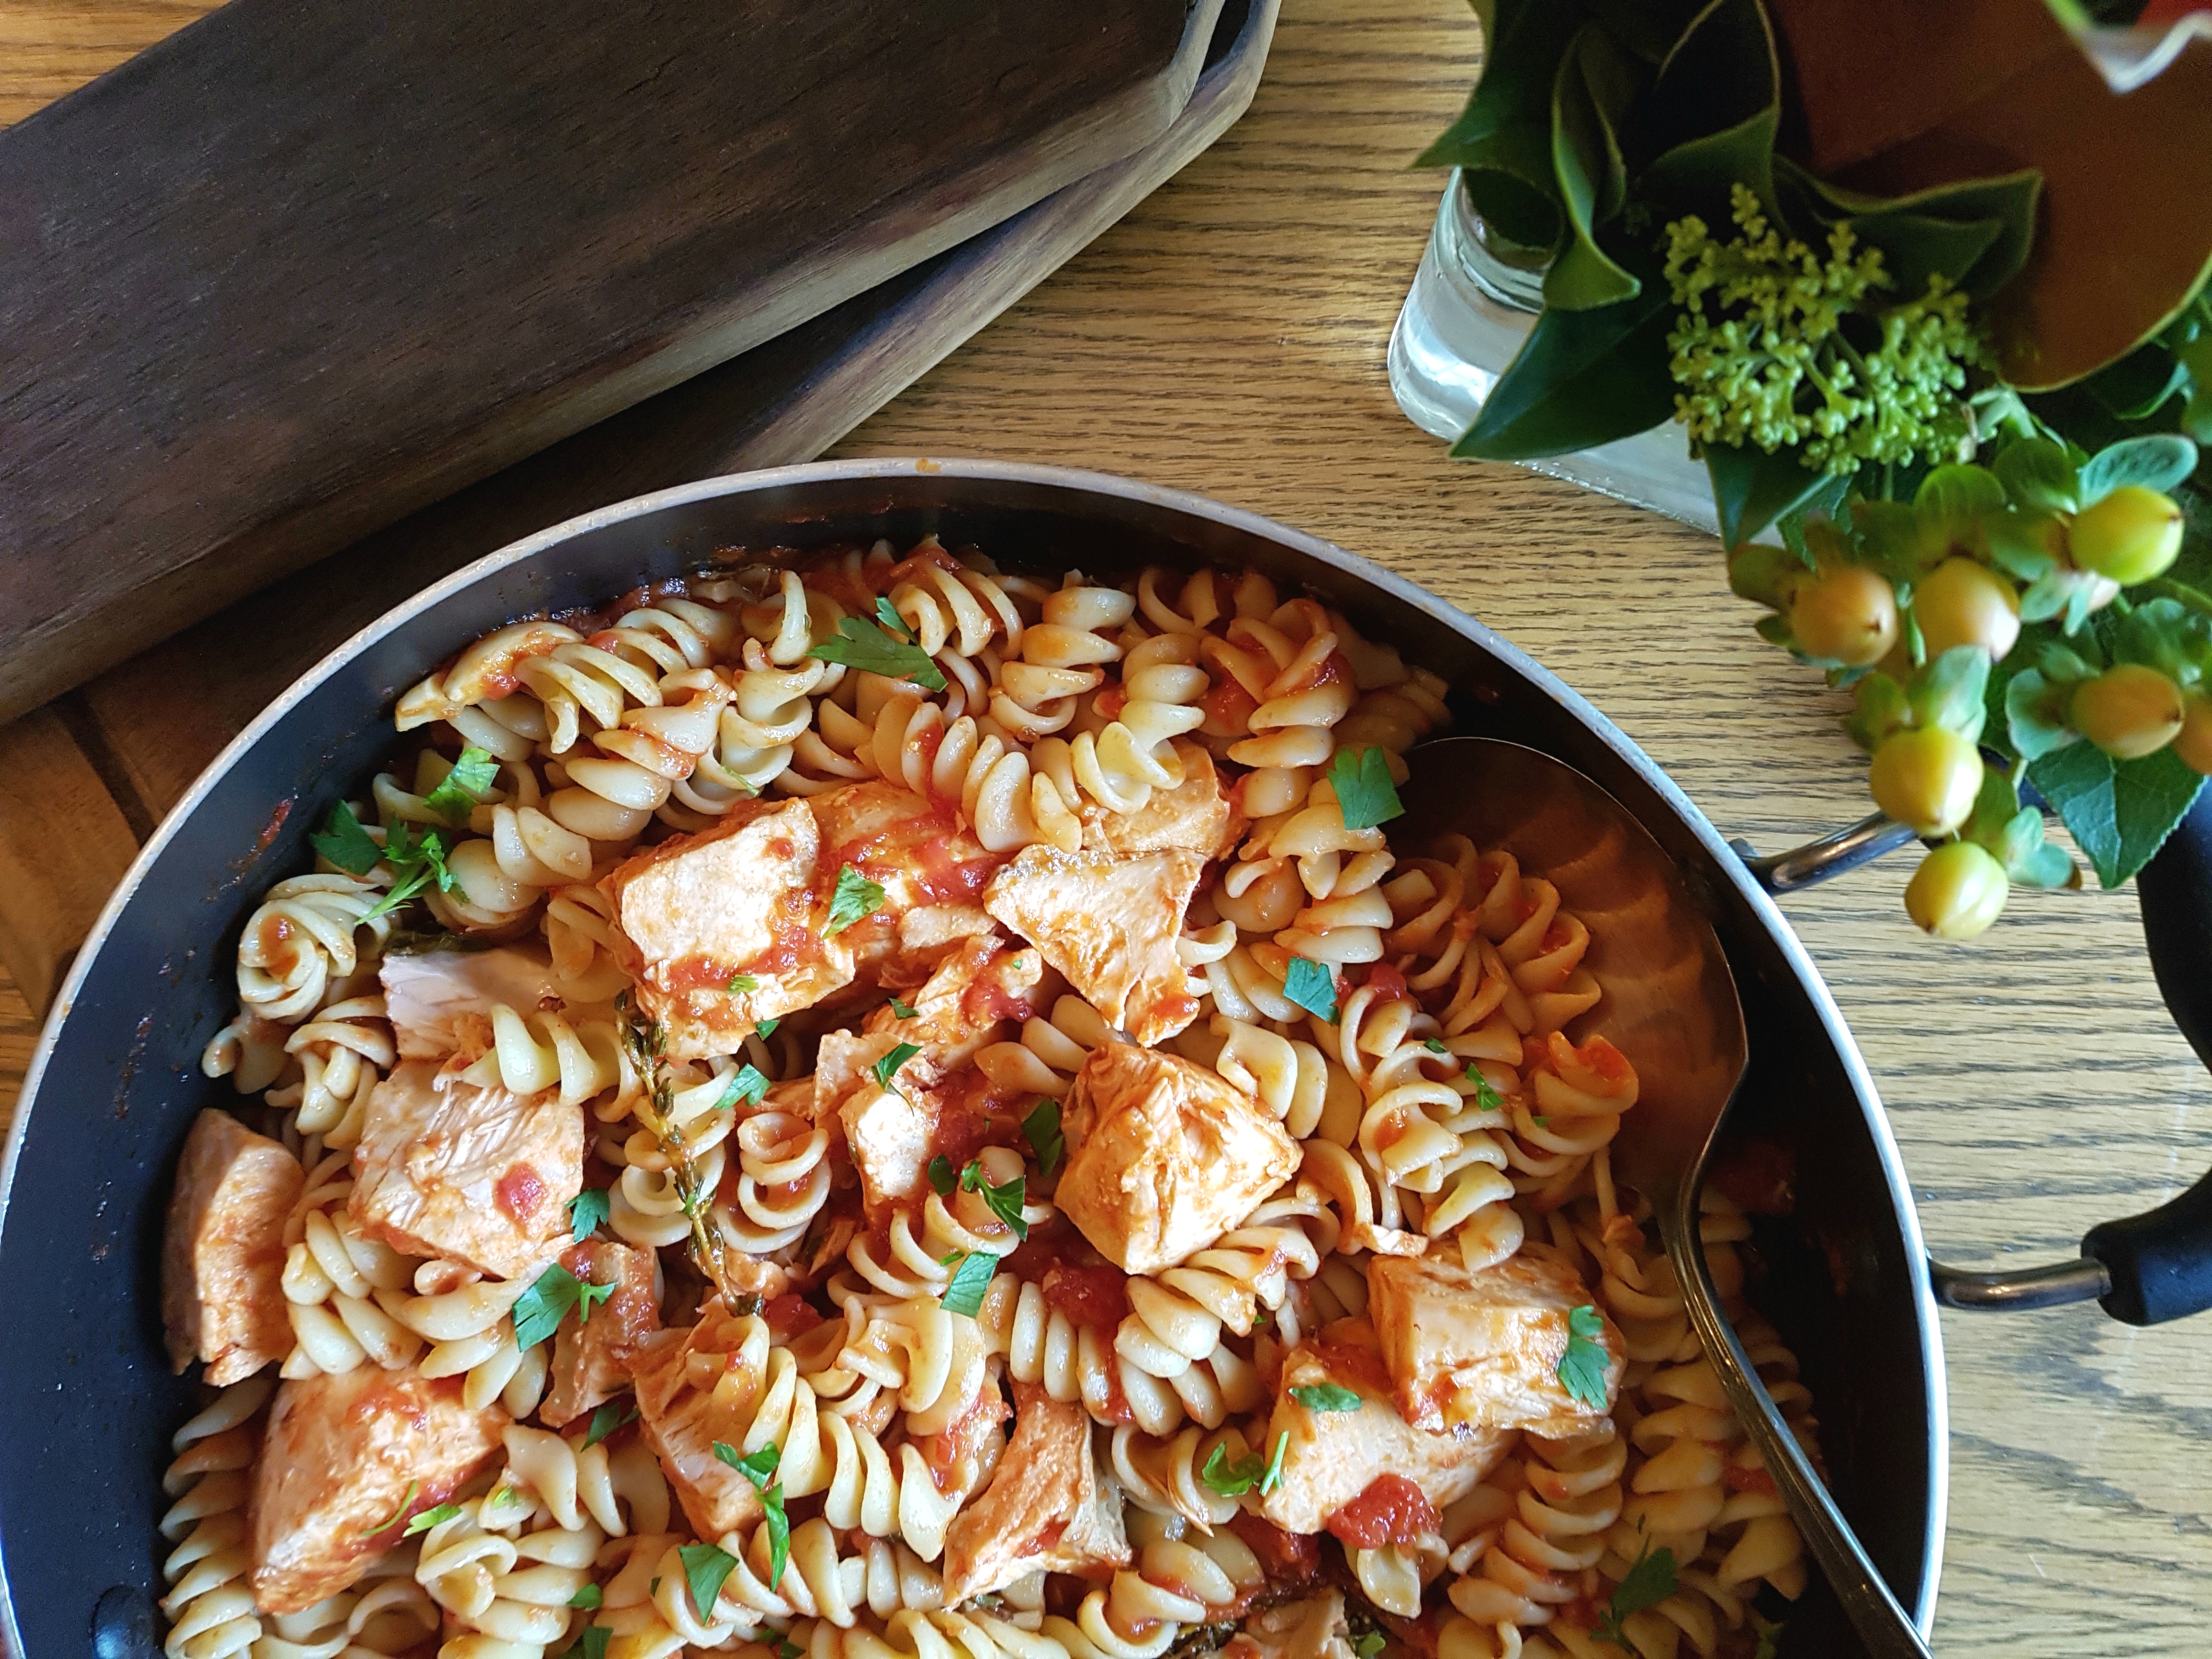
(2035, 715)
(1949, 507)
(2120, 812)
(1880, 709)
(1974, 232)
(1713, 112)
(1947, 690)
(1594, 86)
(2134, 388)
(2038, 474)
(1502, 138)
(1581, 378)
(1752, 488)
(2160, 461)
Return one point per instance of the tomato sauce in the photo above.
(788, 1314)
(1097, 1297)
(1743, 1480)
(1228, 709)
(1391, 1511)
(1389, 983)
(1355, 1367)
(519, 1192)
(1111, 701)
(1287, 1558)
(913, 566)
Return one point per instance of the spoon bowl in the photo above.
(1668, 1003)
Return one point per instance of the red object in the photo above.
(1392, 1510)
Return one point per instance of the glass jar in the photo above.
(1473, 302)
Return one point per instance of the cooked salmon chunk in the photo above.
(1050, 1506)
(931, 870)
(477, 1175)
(684, 1408)
(730, 926)
(1164, 1156)
(1194, 814)
(591, 1357)
(1482, 1349)
(222, 1251)
(1332, 1454)
(347, 1459)
(1109, 923)
(438, 999)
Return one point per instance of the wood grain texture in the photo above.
(301, 269)
(1228, 337)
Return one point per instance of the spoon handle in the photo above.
(1882, 1625)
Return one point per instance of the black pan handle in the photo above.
(2143, 1269)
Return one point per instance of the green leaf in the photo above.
(1503, 138)
(2035, 715)
(1948, 691)
(2161, 461)
(893, 623)
(345, 843)
(748, 1086)
(406, 1501)
(1232, 1479)
(606, 1420)
(1370, 1644)
(971, 1279)
(1591, 93)
(2135, 386)
(2024, 543)
(766, 1027)
(539, 1311)
(1004, 1201)
(887, 1068)
(588, 1297)
(589, 1597)
(416, 860)
(461, 789)
(2120, 812)
(1042, 1127)
(1312, 987)
(1712, 113)
(1949, 507)
(705, 1567)
(587, 1213)
(862, 645)
(1887, 536)
(854, 898)
(942, 1175)
(2039, 474)
(1769, 1637)
(1976, 233)
(1435, 1046)
(901, 1010)
(1327, 1397)
(1486, 1097)
(1752, 488)
(741, 983)
(1581, 378)
(591, 1644)
(1366, 796)
(1582, 1366)
(1650, 1581)
(758, 1467)
(430, 1518)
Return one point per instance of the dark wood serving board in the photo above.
(307, 266)
(84, 779)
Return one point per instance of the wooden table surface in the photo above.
(1228, 337)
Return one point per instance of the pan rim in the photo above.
(1083, 480)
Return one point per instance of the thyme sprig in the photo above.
(645, 1042)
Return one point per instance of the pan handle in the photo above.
(2143, 1269)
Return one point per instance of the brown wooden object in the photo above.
(304, 267)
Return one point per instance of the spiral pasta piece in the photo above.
(211, 1610)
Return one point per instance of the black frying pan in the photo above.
(87, 1392)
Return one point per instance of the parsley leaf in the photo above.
(1435, 1046)
(746, 1086)
(392, 1520)
(901, 1010)
(941, 1175)
(894, 624)
(461, 789)
(1232, 1479)
(705, 1567)
(1769, 1637)
(971, 1279)
(856, 897)
(1313, 987)
(590, 1597)
(417, 861)
(587, 1213)
(1364, 793)
(766, 1027)
(592, 1644)
(1487, 1098)
(864, 645)
(787, 1648)
(606, 1420)
(1648, 1582)
(345, 843)
(540, 1310)
(1325, 1397)
(430, 1518)
(1273, 1477)
(588, 1297)
(887, 1068)
(1004, 1202)
(759, 1467)
(1041, 1125)
(1369, 1645)
(1582, 1368)
(741, 983)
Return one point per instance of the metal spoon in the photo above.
(1669, 1005)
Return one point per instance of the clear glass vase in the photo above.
(1473, 302)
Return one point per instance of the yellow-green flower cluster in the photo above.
(1765, 348)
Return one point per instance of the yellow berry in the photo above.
(2130, 536)
(1927, 777)
(2193, 742)
(2128, 711)
(1846, 614)
(1957, 892)
(1961, 602)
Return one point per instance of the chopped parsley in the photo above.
(461, 789)
(787, 1648)
(345, 843)
(1364, 793)
(1581, 1367)
(887, 1068)
(1435, 1046)
(963, 1292)
(541, 1308)
(1648, 1582)
(869, 647)
(942, 1175)
(417, 860)
(589, 1598)
(1769, 1637)
(1325, 1397)
(741, 983)
(1487, 1098)
(587, 1213)
(1370, 1644)
(592, 1644)
(393, 1519)
(855, 897)
(746, 1086)
(430, 1518)
(759, 1467)
(901, 1010)
(1003, 1202)
(1041, 1125)
(894, 624)
(766, 1027)
(606, 1420)
(705, 1567)
(1313, 987)
(1235, 1479)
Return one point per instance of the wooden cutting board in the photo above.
(307, 266)
(84, 780)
